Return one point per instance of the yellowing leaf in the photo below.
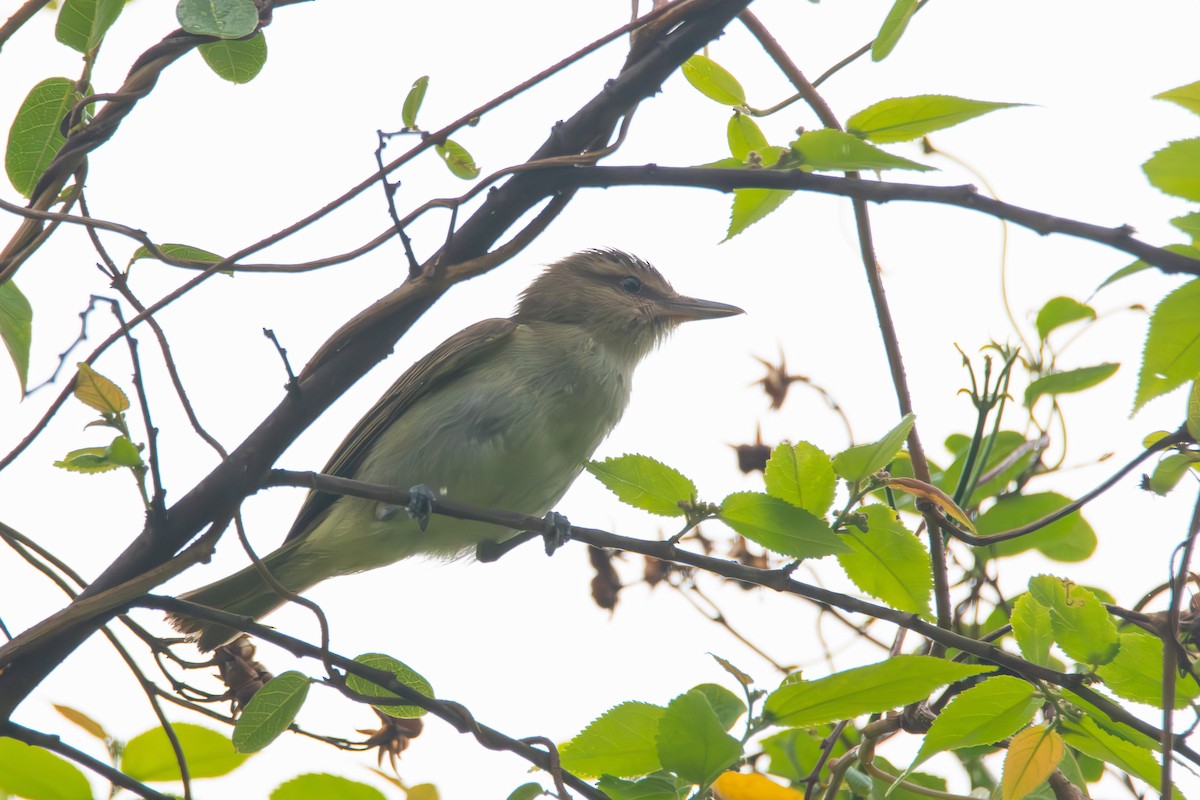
(95, 390)
(1033, 754)
(934, 495)
(752, 786)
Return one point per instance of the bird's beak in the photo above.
(684, 309)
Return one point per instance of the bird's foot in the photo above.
(420, 504)
(557, 531)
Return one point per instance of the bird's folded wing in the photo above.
(445, 363)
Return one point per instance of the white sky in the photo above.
(220, 166)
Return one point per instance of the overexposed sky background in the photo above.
(219, 166)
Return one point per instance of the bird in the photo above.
(503, 414)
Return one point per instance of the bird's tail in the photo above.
(245, 593)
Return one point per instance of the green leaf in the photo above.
(1175, 169)
(994, 710)
(725, 704)
(37, 774)
(1082, 626)
(1193, 410)
(98, 392)
(1060, 311)
(181, 252)
(752, 205)
(653, 787)
(225, 19)
(644, 483)
(1186, 96)
(1189, 224)
(87, 460)
(35, 138)
(864, 690)
(793, 753)
(892, 29)
(713, 81)
(16, 329)
(236, 60)
(1005, 444)
(1072, 380)
(864, 460)
(404, 673)
(888, 562)
(802, 475)
(270, 712)
(1168, 472)
(902, 119)
(149, 756)
(124, 453)
(1139, 265)
(458, 160)
(1032, 629)
(321, 786)
(691, 741)
(829, 149)
(1089, 738)
(780, 526)
(412, 102)
(526, 791)
(1069, 539)
(1172, 353)
(83, 23)
(1137, 672)
(745, 137)
(619, 742)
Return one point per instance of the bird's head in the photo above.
(619, 299)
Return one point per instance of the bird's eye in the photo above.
(631, 284)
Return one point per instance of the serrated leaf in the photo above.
(182, 252)
(270, 712)
(35, 136)
(37, 774)
(124, 453)
(1139, 265)
(829, 149)
(864, 460)
(1072, 380)
(1137, 672)
(1033, 754)
(1032, 629)
(691, 741)
(802, 475)
(888, 562)
(1068, 539)
(1060, 311)
(902, 119)
(225, 19)
(745, 137)
(1171, 356)
(926, 491)
(98, 392)
(994, 710)
(752, 205)
(1175, 169)
(88, 460)
(725, 704)
(404, 673)
(236, 60)
(413, 101)
(713, 81)
(619, 742)
(1082, 626)
(16, 329)
(780, 526)
(1187, 96)
(458, 160)
(149, 756)
(319, 786)
(1089, 738)
(1189, 224)
(84, 721)
(752, 786)
(864, 690)
(892, 28)
(82, 23)
(644, 483)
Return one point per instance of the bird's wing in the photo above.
(446, 362)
